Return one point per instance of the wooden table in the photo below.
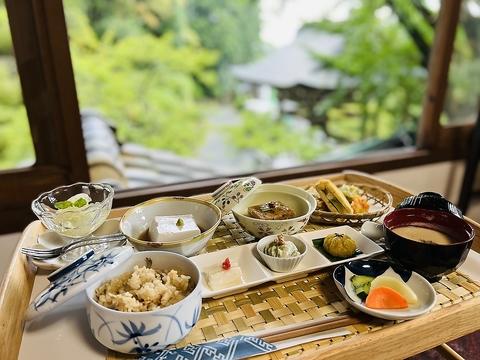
(394, 342)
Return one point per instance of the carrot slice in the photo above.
(385, 298)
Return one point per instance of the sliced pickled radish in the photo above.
(395, 284)
(385, 298)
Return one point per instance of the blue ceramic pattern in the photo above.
(425, 293)
(74, 264)
(237, 347)
(136, 332)
(371, 268)
(62, 285)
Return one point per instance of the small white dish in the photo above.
(420, 286)
(253, 273)
(281, 264)
(50, 240)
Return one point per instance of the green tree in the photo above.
(15, 139)
(231, 28)
(273, 137)
(385, 60)
(146, 84)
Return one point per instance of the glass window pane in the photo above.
(16, 148)
(462, 101)
(178, 90)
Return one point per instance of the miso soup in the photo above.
(424, 235)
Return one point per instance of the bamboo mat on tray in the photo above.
(275, 305)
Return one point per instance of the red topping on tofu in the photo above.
(226, 264)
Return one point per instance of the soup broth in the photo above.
(424, 235)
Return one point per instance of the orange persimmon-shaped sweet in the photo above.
(385, 298)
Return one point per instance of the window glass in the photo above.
(462, 100)
(16, 148)
(178, 90)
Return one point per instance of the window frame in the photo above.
(40, 43)
(61, 154)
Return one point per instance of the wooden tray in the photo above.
(274, 305)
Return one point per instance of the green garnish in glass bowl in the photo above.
(180, 222)
(59, 205)
(80, 203)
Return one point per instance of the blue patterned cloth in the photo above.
(237, 347)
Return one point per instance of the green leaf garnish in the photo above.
(180, 222)
(80, 202)
(62, 204)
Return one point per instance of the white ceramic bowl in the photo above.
(141, 332)
(281, 264)
(299, 200)
(136, 221)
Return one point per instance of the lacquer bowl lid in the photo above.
(430, 201)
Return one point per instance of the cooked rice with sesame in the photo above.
(143, 289)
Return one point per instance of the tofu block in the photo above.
(218, 278)
(170, 228)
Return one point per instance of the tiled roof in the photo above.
(133, 165)
(296, 64)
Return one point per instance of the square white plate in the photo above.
(253, 272)
(365, 245)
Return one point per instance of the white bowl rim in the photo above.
(170, 198)
(286, 258)
(308, 199)
(139, 313)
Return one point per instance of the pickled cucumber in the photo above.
(361, 285)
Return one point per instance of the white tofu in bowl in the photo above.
(173, 228)
(146, 227)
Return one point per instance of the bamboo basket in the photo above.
(379, 199)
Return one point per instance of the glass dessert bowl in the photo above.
(74, 211)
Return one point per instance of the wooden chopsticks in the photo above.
(311, 327)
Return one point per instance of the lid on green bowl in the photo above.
(74, 278)
(233, 192)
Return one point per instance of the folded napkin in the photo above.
(237, 347)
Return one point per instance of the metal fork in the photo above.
(41, 254)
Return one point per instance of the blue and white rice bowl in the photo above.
(144, 332)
